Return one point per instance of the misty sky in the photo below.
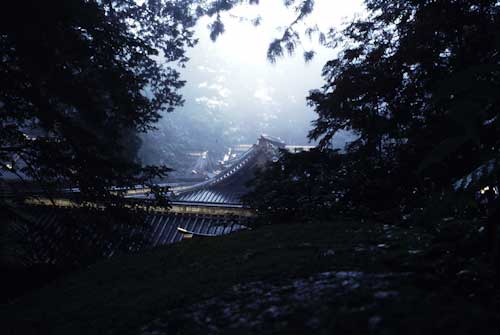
(233, 93)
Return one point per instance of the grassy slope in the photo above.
(122, 294)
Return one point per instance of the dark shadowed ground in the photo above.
(344, 277)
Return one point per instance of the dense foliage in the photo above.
(80, 82)
(303, 186)
(418, 83)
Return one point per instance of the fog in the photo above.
(233, 93)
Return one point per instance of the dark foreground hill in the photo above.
(342, 277)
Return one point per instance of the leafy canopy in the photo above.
(80, 79)
(418, 83)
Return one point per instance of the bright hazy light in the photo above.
(231, 80)
(245, 43)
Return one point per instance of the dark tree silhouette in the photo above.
(418, 82)
(299, 187)
(79, 81)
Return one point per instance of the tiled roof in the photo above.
(210, 197)
(164, 227)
